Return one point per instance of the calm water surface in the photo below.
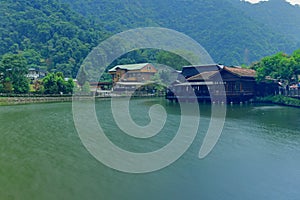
(257, 156)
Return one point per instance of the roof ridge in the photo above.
(235, 70)
(204, 65)
(126, 66)
(203, 73)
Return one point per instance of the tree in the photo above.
(106, 77)
(69, 85)
(7, 86)
(286, 69)
(82, 76)
(33, 58)
(55, 83)
(280, 66)
(38, 87)
(86, 88)
(161, 80)
(172, 60)
(296, 56)
(50, 84)
(14, 68)
(21, 85)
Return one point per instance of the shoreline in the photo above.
(279, 100)
(21, 100)
(6, 101)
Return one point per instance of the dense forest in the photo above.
(47, 33)
(280, 66)
(229, 35)
(279, 15)
(56, 35)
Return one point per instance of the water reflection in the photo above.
(257, 157)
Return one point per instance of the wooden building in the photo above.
(189, 71)
(132, 76)
(233, 84)
(133, 72)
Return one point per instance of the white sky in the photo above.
(291, 1)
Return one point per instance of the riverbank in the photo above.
(28, 100)
(280, 100)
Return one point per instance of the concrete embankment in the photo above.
(13, 100)
(28, 100)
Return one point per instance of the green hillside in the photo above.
(58, 34)
(227, 33)
(48, 33)
(279, 15)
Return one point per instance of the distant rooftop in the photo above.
(129, 67)
(203, 66)
(190, 71)
(202, 76)
(241, 71)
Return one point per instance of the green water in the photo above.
(257, 156)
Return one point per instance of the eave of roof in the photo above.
(129, 67)
(242, 72)
(202, 76)
(207, 65)
(195, 83)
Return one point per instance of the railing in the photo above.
(295, 93)
(210, 93)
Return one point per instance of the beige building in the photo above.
(131, 77)
(133, 72)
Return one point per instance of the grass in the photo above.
(279, 99)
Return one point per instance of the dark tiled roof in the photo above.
(129, 67)
(189, 71)
(240, 71)
(206, 75)
(202, 76)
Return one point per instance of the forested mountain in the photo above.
(280, 15)
(47, 33)
(58, 34)
(226, 32)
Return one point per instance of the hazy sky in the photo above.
(291, 1)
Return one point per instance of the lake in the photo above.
(256, 157)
